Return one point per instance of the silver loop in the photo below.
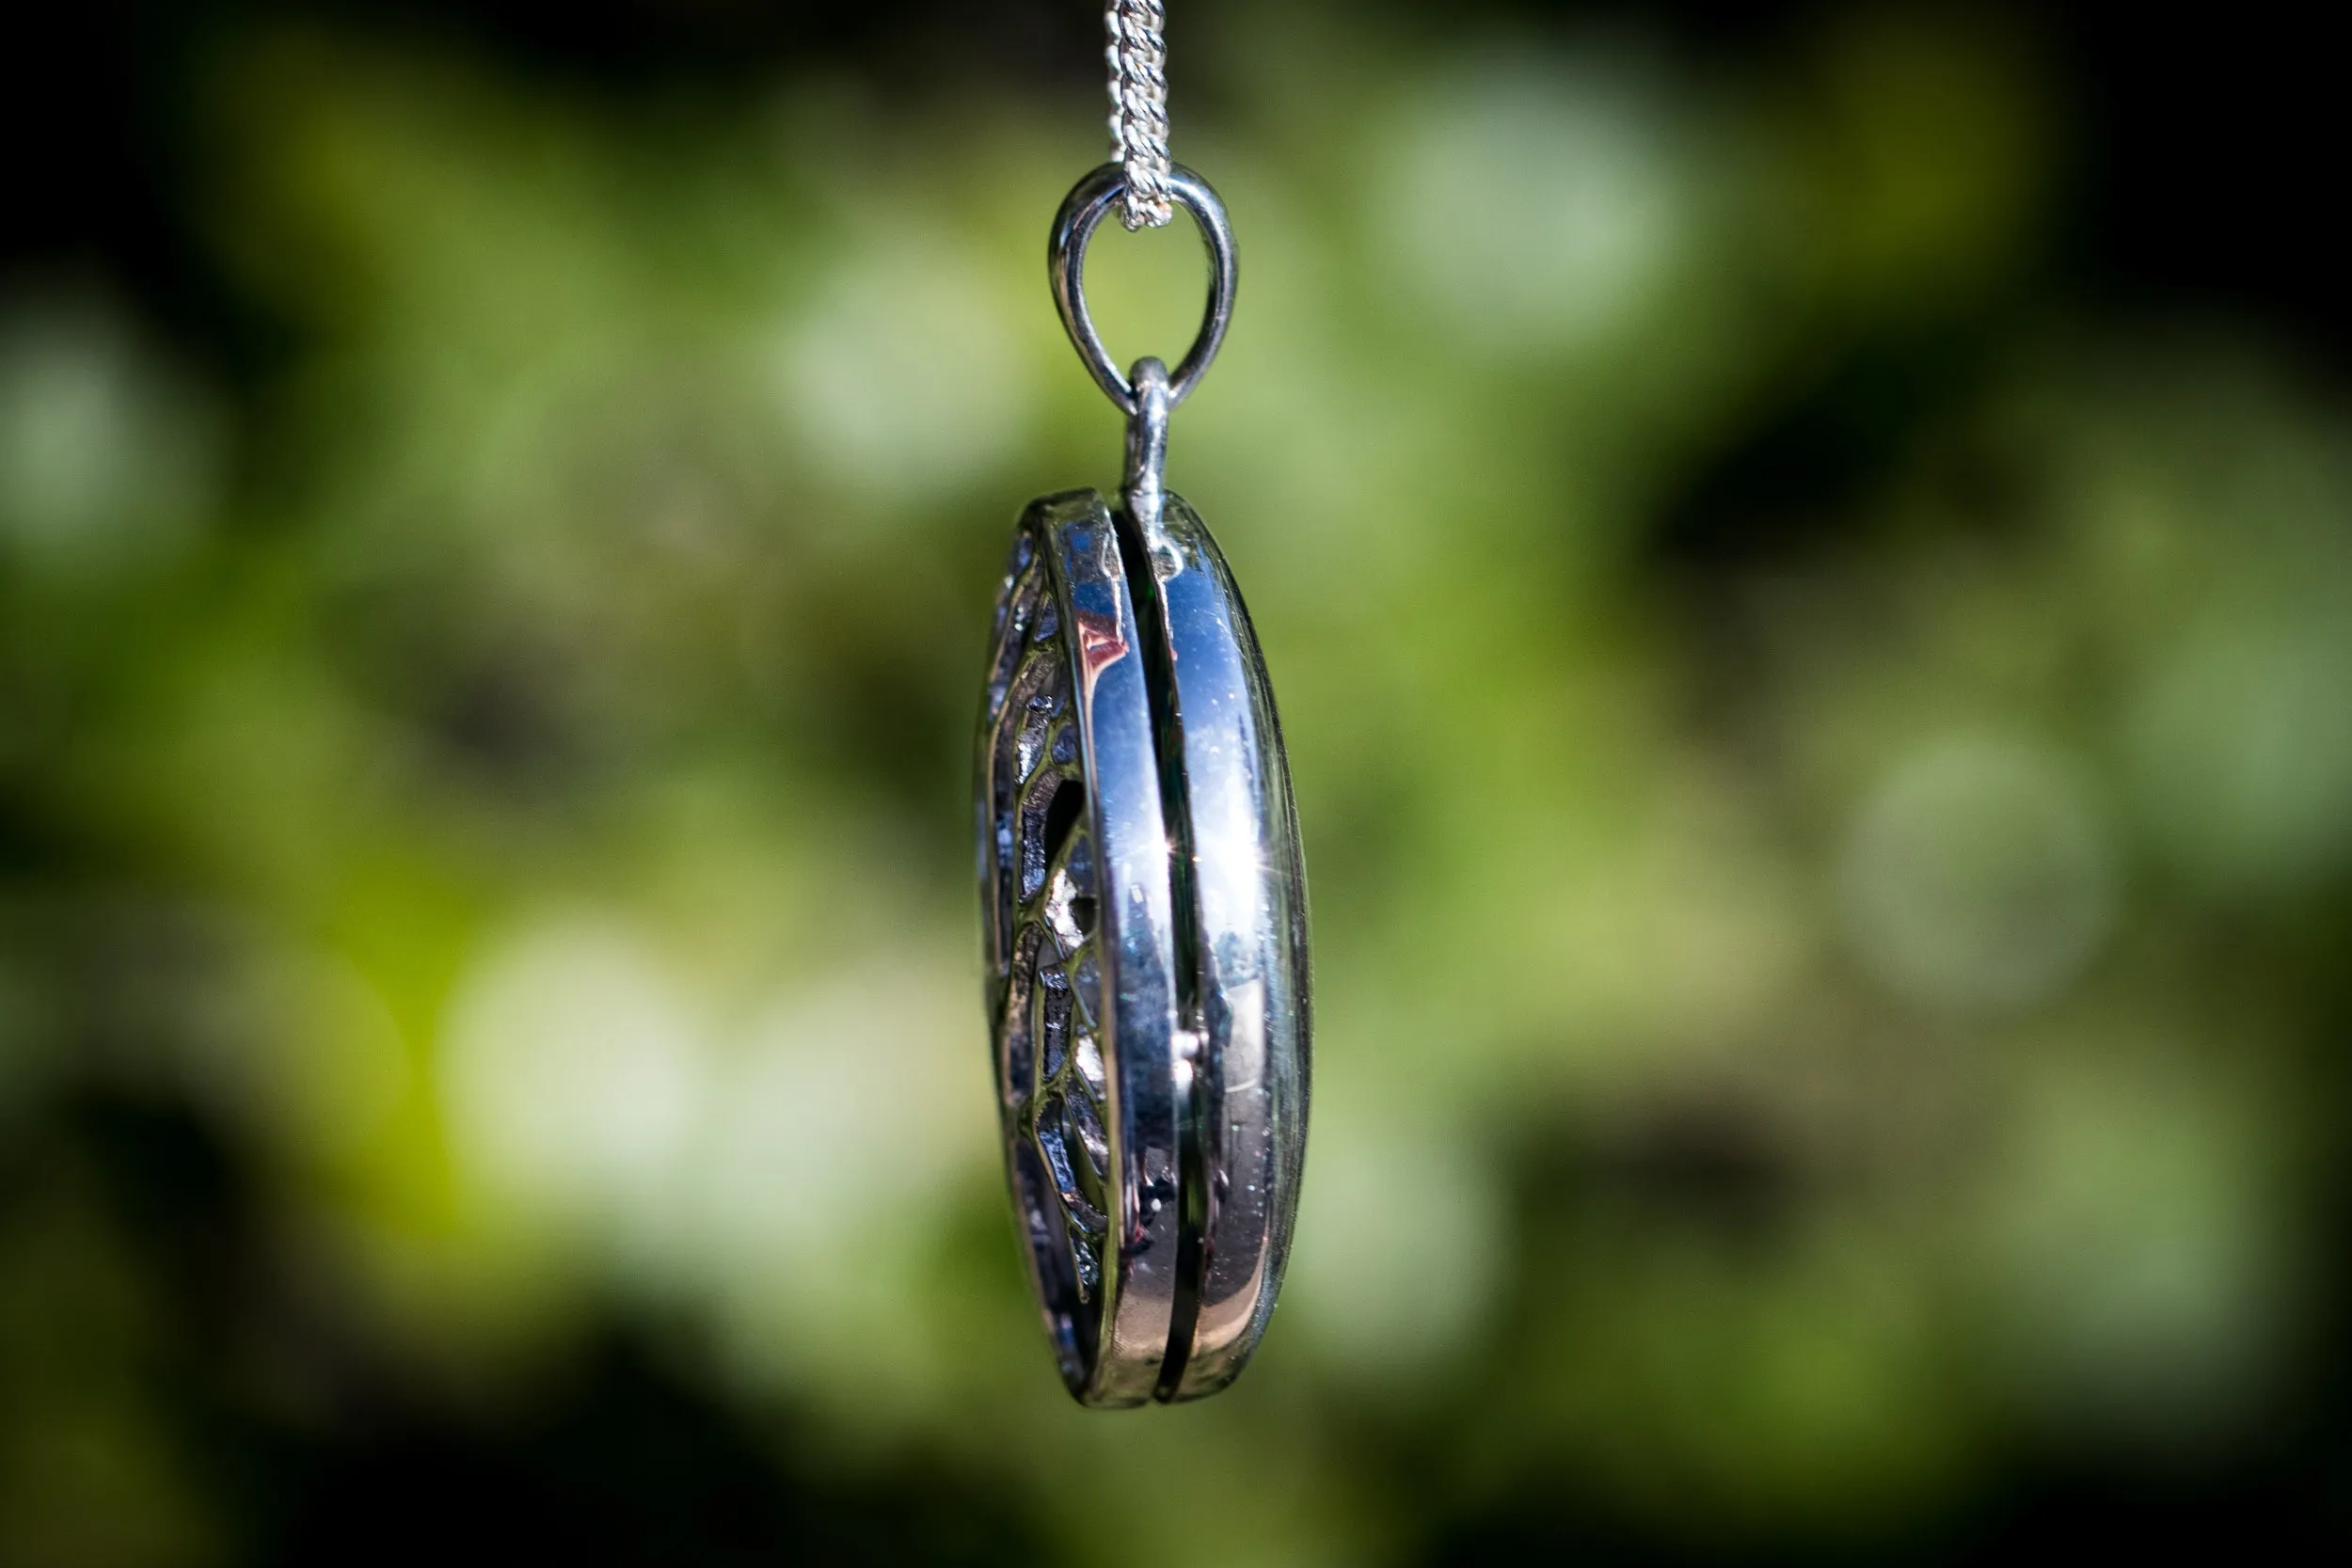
(1066, 259)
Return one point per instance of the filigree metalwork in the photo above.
(1049, 1022)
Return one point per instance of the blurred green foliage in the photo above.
(1818, 998)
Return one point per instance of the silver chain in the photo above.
(1139, 62)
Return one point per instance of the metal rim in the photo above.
(1243, 986)
(1082, 211)
(1107, 1288)
(1190, 974)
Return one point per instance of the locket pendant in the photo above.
(1144, 901)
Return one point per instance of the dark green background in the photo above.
(1807, 557)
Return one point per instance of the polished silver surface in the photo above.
(1147, 948)
(1145, 904)
(1243, 986)
(1082, 951)
(1081, 214)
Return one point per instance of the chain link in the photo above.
(1139, 62)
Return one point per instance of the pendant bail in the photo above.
(1147, 447)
